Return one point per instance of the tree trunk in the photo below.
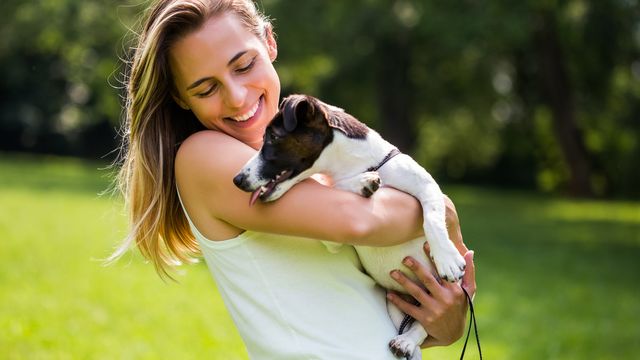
(557, 92)
(394, 93)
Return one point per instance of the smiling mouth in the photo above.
(249, 114)
(264, 191)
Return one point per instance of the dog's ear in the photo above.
(289, 113)
(296, 109)
(346, 123)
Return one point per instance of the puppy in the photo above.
(307, 137)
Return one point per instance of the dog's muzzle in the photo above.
(241, 182)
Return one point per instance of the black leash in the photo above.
(472, 319)
(408, 320)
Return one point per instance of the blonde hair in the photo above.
(155, 126)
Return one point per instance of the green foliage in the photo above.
(459, 84)
(60, 77)
(555, 276)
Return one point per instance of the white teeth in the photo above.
(248, 114)
(281, 173)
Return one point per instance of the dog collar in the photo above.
(391, 154)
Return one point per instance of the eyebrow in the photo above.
(200, 81)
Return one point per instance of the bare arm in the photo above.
(207, 162)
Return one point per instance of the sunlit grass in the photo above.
(60, 302)
(556, 277)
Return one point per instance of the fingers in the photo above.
(411, 288)
(469, 278)
(430, 282)
(405, 307)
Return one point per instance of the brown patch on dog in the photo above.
(347, 124)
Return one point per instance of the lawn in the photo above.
(556, 277)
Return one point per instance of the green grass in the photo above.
(556, 277)
(57, 299)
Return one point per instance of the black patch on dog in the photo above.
(300, 131)
(295, 137)
(298, 106)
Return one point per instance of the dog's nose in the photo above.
(239, 179)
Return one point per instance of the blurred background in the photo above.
(527, 113)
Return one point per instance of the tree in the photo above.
(535, 93)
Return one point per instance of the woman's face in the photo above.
(224, 74)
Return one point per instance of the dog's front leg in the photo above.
(365, 184)
(449, 263)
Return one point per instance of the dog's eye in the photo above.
(270, 137)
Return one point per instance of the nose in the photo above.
(236, 94)
(239, 180)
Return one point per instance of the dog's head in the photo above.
(292, 142)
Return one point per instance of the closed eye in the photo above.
(208, 92)
(214, 87)
(248, 67)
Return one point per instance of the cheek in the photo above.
(271, 82)
(207, 112)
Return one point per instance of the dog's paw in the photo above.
(370, 182)
(403, 347)
(449, 263)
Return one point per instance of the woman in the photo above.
(201, 90)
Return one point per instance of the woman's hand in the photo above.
(443, 307)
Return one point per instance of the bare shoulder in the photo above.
(207, 145)
(205, 165)
(210, 155)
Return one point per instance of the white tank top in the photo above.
(292, 299)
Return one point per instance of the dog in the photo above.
(306, 137)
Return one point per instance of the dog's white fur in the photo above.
(346, 160)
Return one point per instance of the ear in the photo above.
(290, 112)
(179, 101)
(272, 46)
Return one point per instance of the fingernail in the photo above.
(408, 261)
(472, 254)
(390, 296)
(395, 274)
